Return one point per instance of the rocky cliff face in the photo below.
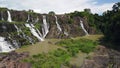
(12, 60)
(26, 27)
(103, 58)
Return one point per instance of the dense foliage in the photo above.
(111, 24)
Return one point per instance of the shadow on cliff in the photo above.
(110, 45)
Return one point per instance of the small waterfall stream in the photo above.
(33, 31)
(28, 18)
(37, 19)
(18, 30)
(9, 16)
(45, 28)
(58, 26)
(66, 33)
(81, 23)
(23, 35)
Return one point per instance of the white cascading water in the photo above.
(14, 42)
(45, 28)
(81, 23)
(28, 18)
(37, 19)
(2, 19)
(66, 33)
(33, 31)
(18, 30)
(58, 26)
(5, 46)
(24, 36)
(39, 33)
(9, 16)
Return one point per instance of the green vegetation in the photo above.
(51, 60)
(94, 20)
(27, 31)
(38, 25)
(73, 46)
(51, 13)
(57, 53)
(111, 24)
(70, 21)
(3, 9)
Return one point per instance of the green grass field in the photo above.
(59, 50)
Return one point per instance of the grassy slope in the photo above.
(40, 47)
(49, 45)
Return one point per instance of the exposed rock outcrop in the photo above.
(103, 58)
(12, 60)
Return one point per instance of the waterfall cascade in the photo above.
(66, 33)
(15, 43)
(58, 26)
(33, 31)
(23, 35)
(37, 19)
(28, 18)
(5, 46)
(18, 30)
(45, 28)
(81, 23)
(9, 16)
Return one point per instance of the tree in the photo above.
(112, 24)
(51, 13)
(116, 7)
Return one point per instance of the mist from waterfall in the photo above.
(81, 23)
(45, 28)
(58, 26)
(5, 46)
(9, 16)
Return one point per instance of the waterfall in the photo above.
(24, 36)
(39, 33)
(45, 28)
(2, 19)
(9, 16)
(66, 33)
(33, 31)
(28, 18)
(81, 23)
(18, 30)
(5, 46)
(37, 19)
(58, 26)
(15, 43)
